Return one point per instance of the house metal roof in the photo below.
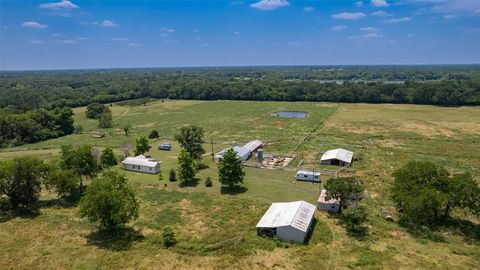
(340, 154)
(140, 160)
(297, 214)
(253, 145)
(322, 198)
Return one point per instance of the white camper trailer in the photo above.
(310, 176)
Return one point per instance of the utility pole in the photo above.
(211, 143)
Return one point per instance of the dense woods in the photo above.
(439, 85)
(35, 125)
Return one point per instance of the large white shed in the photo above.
(290, 221)
(254, 145)
(242, 153)
(337, 156)
(141, 164)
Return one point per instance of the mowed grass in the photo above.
(382, 136)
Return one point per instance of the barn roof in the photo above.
(140, 160)
(253, 145)
(297, 214)
(241, 152)
(322, 198)
(339, 153)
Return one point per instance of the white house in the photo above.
(310, 176)
(290, 221)
(141, 164)
(242, 153)
(332, 205)
(339, 156)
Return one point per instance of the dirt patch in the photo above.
(194, 218)
(397, 234)
(427, 130)
(465, 127)
(277, 259)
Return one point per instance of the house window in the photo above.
(150, 168)
(305, 176)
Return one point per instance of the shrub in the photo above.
(154, 134)
(208, 182)
(172, 175)
(169, 239)
(65, 183)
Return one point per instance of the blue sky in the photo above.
(100, 34)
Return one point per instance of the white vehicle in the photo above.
(310, 176)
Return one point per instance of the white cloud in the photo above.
(349, 15)
(449, 17)
(108, 23)
(338, 28)
(166, 29)
(59, 5)
(69, 41)
(120, 39)
(35, 41)
(309, 9)
(82, 38)
(35, 25)
(369, 29)
(131, 44)
(381, 13)
(379, 3)
(359, 4)
(57, 35)
(365, 37)
(270, 4)
(398, 20)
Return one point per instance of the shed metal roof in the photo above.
(322, 198)
(297, 214)
(253, 145)
(241, 152)
(339, 153)
(140, 160)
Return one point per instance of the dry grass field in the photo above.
(209, 220)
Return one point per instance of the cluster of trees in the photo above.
(349, 191)
(447, 85)
(425, 194)
(100, 112)
(34, 126)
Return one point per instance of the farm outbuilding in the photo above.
(289, 221)
(339, 156)
(242, 153)
(332, 205)
(254, 145)
(310, 176)
(141, 164)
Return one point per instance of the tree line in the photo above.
(34, 126)
(448, 85)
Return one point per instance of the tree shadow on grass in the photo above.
(469, 230)
(7, 214)
(359, 232)
(118, 239)
(234, 190)
(191, 183)
(58, 202)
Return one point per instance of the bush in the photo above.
(154, 134)
(172, 175)
(208, 182)
(353, 218)
(105, 120)
(108, 202)
(78, 129)
(95, 110)
(168, 236)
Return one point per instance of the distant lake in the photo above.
(290, 114)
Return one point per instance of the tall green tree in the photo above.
(80, 160)
(348, 190)
(105, 120)
(108, 158)
(186, 169)
(424, 193)
(230, 170)
(126, 129)
(95, 110)
(191, 139)
(141, 145)
(109, 202)
(64, 182)
(21, 179)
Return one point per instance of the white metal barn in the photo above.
(254, 145)
(339, 156)
(242, 153)
(332, 205)
(290, 221)
(310, 176)
(141, 164)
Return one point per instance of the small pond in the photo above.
(290, 114)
